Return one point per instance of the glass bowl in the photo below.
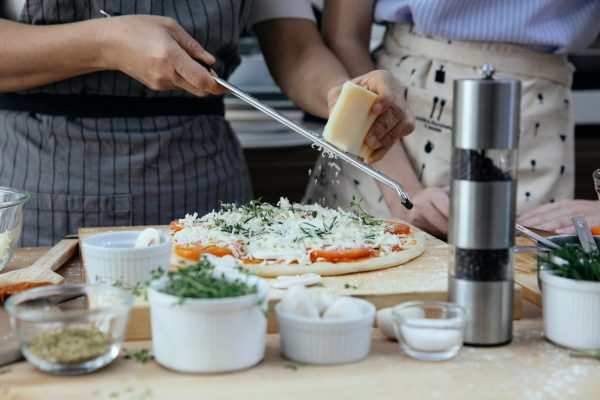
(429, 330)
(70, 329)
(11, 221)
(596, 176)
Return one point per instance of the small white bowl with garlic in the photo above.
(319, 328)
(125, 257)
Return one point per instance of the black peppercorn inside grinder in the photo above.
(482, 204)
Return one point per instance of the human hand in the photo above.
(158, 52)
(430, 210)
(557, 216)
(394, 117)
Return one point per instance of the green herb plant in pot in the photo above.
(207, 321)
(571, 297)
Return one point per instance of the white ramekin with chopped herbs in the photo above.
(206, 321)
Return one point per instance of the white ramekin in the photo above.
(208, 335)
(111, 257)
(571, 311)
(326, 341)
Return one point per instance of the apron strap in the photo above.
(97, 106)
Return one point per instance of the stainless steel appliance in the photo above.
(482, 206)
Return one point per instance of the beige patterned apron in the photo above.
(427, 67)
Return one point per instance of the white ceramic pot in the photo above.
(112, 256)
(208, 335)
(326, 341)
(571, 311)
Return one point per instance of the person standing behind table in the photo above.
(99, 119)
(430, 43)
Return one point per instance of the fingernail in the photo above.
(377, 108)
(209, 56)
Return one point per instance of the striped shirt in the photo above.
(550, 26)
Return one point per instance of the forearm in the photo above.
(397, 165)
(355, 58)
(347, 32)
(300, 63)
(31, 56)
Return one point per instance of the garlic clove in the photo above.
(148, 237)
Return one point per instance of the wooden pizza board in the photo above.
(424, 278)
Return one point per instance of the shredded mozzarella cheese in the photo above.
(286, 233)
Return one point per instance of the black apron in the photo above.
(123, 170)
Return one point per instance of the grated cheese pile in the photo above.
(286, 233)
(4, 243)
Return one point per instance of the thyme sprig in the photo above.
(312, 230)
(571, 262)
(255, 209)
(362, 216)
(200, 282)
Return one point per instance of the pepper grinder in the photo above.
(483, 189)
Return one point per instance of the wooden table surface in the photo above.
(529, 368)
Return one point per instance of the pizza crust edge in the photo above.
(332, 269)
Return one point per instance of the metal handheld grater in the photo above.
(318, 140)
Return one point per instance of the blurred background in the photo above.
(280, 159)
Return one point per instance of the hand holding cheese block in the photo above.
(366, 131)
(351, 119)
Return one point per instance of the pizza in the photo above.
(291, 239)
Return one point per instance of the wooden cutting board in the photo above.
(424, 278)
(526, 273)
(21, 260)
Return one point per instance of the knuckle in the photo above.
(200, 92)
(202, 81)
(385, 125)
(379, 131)
(169, 22)
(160, 84)
(387, 141)
(409, 125)
(165, 56)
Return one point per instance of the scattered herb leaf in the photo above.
(293, 366)
(5, 370)
(588, 354)
(142, 355)
(349, 286)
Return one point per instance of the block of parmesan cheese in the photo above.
(351, 119)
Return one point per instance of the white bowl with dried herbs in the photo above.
(206, 320)
(571, 297)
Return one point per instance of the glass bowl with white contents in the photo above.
(70, 329)
(11, 221)
(429, 330)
